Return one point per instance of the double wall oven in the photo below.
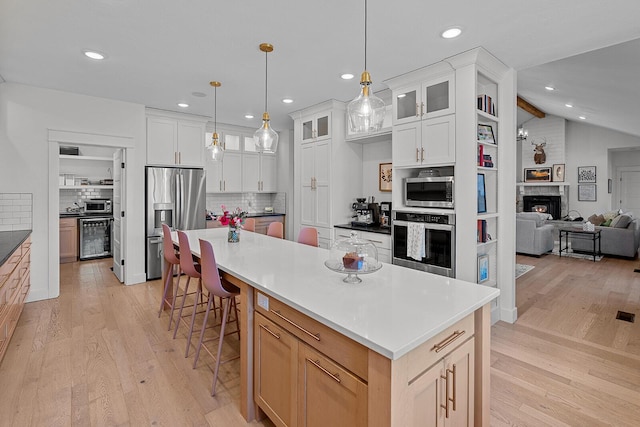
(439, 241)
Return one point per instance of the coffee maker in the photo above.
(365, 214)
(385, 214)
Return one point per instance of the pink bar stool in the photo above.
(308, 236)
(213, 283)
(249, 224)
(172, 259)
(275, 230)
(192, 270)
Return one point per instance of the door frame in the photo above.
(615, 200)
(55, 139)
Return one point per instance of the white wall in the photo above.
(372, 155)
(27, 114)
(552, 129)
(589, 145)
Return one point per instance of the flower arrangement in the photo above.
(232, 219)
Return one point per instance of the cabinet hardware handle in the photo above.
(224, 185)
(445, 377)
(422, 155)
(417, 155)
(336, 377)
(417, 110)
(374, 241)
(453, 372)
(451, 338)
(314, 336)
(272, 333)
(422, 108)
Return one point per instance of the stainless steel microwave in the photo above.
(97, 206)
(429, 192)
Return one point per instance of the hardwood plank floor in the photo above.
(99, 355)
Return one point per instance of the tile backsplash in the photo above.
(250, 202)
(16, 211)
(71, 195)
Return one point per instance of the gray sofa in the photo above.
(618, 241)
(533, 235)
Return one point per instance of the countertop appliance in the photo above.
(385, 214)
(97, 206)
(365, 214)
(176, 197)
(95, 237)
(429, 192)
(439, 242)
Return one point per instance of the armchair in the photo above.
(533, 235)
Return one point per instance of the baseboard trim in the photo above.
(509, 315)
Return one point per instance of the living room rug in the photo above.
(572, 254)
(522, 269)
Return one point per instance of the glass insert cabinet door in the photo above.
(429, 99)
(316, 127)
(407, 105)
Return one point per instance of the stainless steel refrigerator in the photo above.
(176, 197)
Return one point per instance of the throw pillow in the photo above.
(621, 221)
(598, 220)
(607, 223)
(610, 215)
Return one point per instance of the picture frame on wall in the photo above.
(385, 176)
(485, 133)
(586, 174)
(587, 193)
(557, 174)
(537, 175)
(483, 268)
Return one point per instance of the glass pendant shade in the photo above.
(266, 138)
(216, 152)
(366, 112)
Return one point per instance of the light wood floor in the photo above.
(98, 355)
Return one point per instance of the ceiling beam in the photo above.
(531, 109)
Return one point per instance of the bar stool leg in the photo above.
(227, 307)
(199, 296)
(168, 274)
(184, 298)
(204, 324)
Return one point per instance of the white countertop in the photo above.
(392, 311)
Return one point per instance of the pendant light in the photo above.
(366, 111)
(216, 151)
(265, 138)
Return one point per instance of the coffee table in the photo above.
(594, 236)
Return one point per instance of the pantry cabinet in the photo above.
(173, 141)
(68, 240)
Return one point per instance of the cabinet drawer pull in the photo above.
(451, 338)
(336, 377)
(417, 155)
(270, 331)
(314, 336)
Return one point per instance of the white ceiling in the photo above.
(161, 51)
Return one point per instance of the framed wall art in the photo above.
(587, 192)
(482, 194)
(537, 175)
(485, 133)
(483, 268)
(384, 176)
(557, 174)
(586, 174)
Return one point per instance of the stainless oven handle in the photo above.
(427, 225)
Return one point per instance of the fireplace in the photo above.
(545, 204)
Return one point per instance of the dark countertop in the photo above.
(85, 215)
(370, 229)
(9, 242)
(257, 214)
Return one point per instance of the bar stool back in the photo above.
(308, 236)
(275, 230)
(172, 259)
(249, 224)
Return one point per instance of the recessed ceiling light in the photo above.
(182, 105)
(568, 105)
(582, 117)
(198, 94)
(248, 116)
(287, 100)
(346, 76)
(451, 33)
(93, 54)
(550, 88)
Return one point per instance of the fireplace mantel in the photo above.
(560, 185)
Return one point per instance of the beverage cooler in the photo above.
(95, 237)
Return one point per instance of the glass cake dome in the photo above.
(353, 256)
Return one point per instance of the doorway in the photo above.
(628, 181)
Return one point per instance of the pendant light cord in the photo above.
(215, 110)
(266, 87)
(365, 35)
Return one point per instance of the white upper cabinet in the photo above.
(428, 99)
(175, 141)
(316, 127)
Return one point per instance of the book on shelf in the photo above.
(487, 161)
(486, 104)
(482, 231)
(480, 155)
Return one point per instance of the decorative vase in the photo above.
(234, 234)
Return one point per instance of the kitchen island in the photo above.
(397, 328)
